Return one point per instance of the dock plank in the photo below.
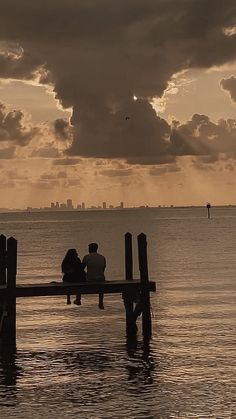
(61, 288)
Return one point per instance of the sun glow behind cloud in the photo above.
(230, 31)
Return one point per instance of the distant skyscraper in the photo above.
(83, 205)
(122, 204)
(69, 204)
(104, 205)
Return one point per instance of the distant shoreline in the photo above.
(49, 210)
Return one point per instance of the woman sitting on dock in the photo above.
(73, 271)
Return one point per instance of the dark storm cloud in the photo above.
(62, 129)
(19, 67)
(155, 142)
(13, 127)
(99, 54)
(135, 132)
(202, 137)
(230, 86)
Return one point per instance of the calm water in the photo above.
(73, 362)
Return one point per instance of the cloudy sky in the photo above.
(129, 100)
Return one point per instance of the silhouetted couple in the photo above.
(73, 270)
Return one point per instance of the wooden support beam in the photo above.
(128, 257)
(64, 288)
(128, 298)
(11, 291)
(3, 245)
(145, 294)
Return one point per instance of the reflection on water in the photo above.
(86, 382)
(85, 367)
(141, 362)
(8, 368)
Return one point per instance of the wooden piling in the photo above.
(128, 257)
(145, 294)
(129, 298)
(3, 244)
(11, 290)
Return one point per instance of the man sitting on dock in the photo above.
(95, 265)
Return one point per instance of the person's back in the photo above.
(95, 265)
(73, 271)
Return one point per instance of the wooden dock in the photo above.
(135, 293)
(60, 288)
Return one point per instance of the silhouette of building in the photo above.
(69, 204)
(83, 205)
(122, 205)
(52, 205)
(104, 205)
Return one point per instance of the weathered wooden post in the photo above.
(145, 293)
(128, 257)
(129, 298)
(11, 290)
(3, 244)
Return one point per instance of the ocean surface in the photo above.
(74, 362)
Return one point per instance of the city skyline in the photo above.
(70, 206)
(63, 206)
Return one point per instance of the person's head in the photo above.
(71, 254)
(93, 247)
